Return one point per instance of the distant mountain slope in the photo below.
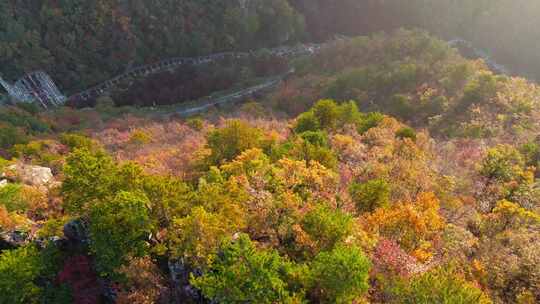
(82, 42)
(508, 29)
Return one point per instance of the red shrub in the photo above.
(390, 258)
(81, 277)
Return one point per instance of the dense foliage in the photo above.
(404, 174)
(83, 42)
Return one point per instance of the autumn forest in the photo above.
(382, 165)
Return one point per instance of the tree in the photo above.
(77, 141)
(327, 113)
(19, 269)
(119, 229)
(311, 146)
(370, 195)
(10, 136)
(88, 177)
(306, 122)
(196, 238)
(326, 227)
(338, 276)
(413, 225)
(231, 140)
(241, 273)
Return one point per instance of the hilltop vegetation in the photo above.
(388, 169)
(419, 79)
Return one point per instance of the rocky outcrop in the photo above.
(29, 175)
(183, 292)
(13, 239)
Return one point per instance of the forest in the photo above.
(81, 43)
(389, 169)
(386, 168)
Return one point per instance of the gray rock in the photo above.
(29, 174)
(15, 238)
(3, 183)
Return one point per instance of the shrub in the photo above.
(327, 113)
(77, 141)
(406, 132)
(369, 120)
(3, 164)
(401, 106)
(11, 197)
(139, 137)
(19, 269)
(412, 225)
(370, 195)
(195, 123)
(316, 138)
(441, 285)
(309, 148)
(503, 163)
(10, 136)
(479, 90)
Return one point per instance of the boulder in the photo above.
(29, 174)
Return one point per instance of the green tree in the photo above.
(338, 276)
(11, 198)
(10, 136)
(327, 227)
(369, 120)
(370, 195)
(327, 113)
(306, 122)
(311, 146)
(88, 176)
(241, 273)
(19, 269)
(119, 229)
(196, 237)
(231, 140)
(77, 141)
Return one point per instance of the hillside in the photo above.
(386, 169)
(81, 43)
(84, 42)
